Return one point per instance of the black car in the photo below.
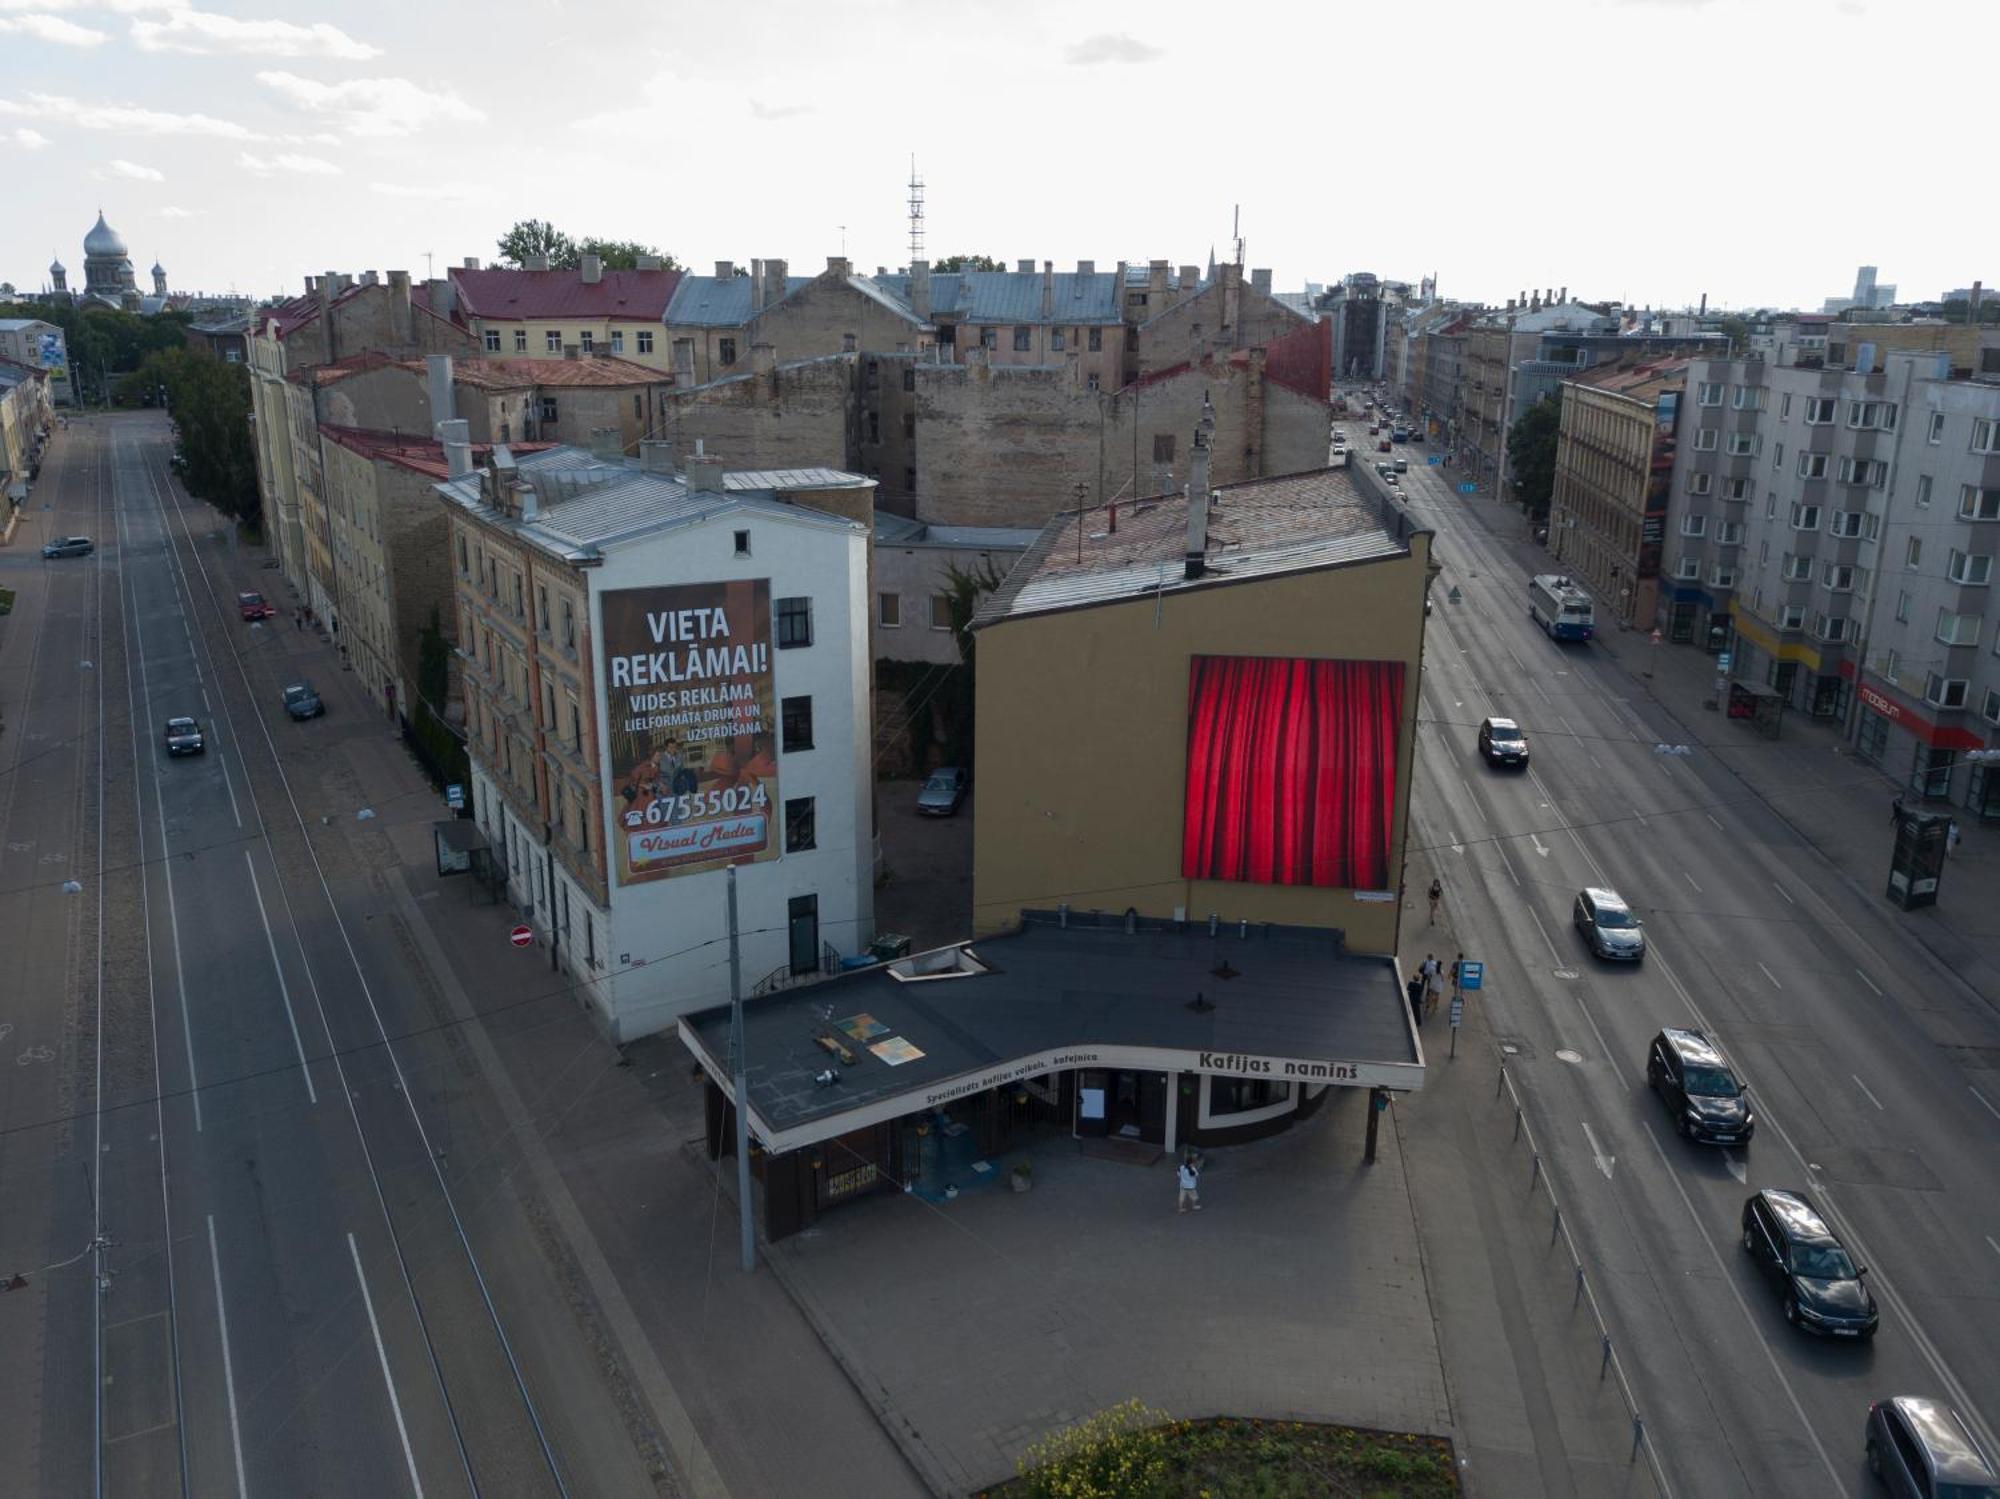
(1700, 1090)
(302, 702)
(1608, 924)
(183, 736)
(1784, 1233)
(1920, 1448)
(1502, 742)
(67, 546)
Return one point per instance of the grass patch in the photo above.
(6, 601)
(1131, 1452)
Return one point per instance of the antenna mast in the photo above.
(916, 212)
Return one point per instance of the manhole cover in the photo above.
(1565, 973)
(1575, 1058)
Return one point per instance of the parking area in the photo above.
(925, 888)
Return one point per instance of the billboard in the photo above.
(692, 720)
(1291, 770)
(50, 353)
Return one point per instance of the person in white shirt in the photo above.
(1189, 1174)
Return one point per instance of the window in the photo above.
(795, 623)
(1936, 433)
(1792, 617)
(1747, 398)
(1709, 393)
(874, 426)
(1913, 552)
(940, 611)
(586, 341)
(1777, 455)
(1704, 439)
(1944, 692)
(547, 407)
(1923, 491)
(1056, 340)
(795, 716)
(1096, 340)
(1738, 489)
(1163, 447)
(1902, 607)
(1805, 517)
(1729, 533)
(1975, 503)
(464, 566)
(1829, 627)
(1821, 411)
(1741, 444)
(1240, 1095)
(1844, 523)
(1688, 568)
(1812, 465)
(1722, 576)
(542, 606)
(520, 340)
(1991, 711)
(1763, 552)
(1986, 436)
(1873, 416)
(492, 340)
(989, 338)
(618, 340)
(1785, 408)
(889, 610)
(1024, 340)
(742, 543)
(909, 377)
(1973, 570)
(1091, 382)
(1863, 471)
(1694, 525)
(549, 706)
(575, 726)
(520, 601)
(909, 424)
(1699, 483)
(552, 340)
(645, 341)
(725, 350)
(568, 624)
(909, 479)
(1957, 629)
(799, 820)
(1838, 577)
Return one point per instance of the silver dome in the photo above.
(103, 239)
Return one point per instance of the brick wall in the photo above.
(795, 416)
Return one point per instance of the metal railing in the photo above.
(1609, 1363)
(782, 977)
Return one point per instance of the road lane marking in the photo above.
(1982, 1098)
(1771, 976)
(284, 990)
(1690, 879)
(1864, 1088)
(382, 1353)
(1508, 865)
(228, 1367)
(1709, 815)
(1996, 1246)
(1605, 1163)
(1540, 847)
(1554, 956)
(1869, 982)
(1784, 892)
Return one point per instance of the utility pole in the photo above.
(739, 1082)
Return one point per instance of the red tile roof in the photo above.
(635, 296)
(415, 453)
(287, 317)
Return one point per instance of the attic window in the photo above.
(742, 543)
(945, 963)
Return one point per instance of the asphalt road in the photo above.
(306, 1265)
(1842, 1025)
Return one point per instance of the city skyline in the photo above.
(246, 153)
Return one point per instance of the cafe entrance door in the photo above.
(1121, 1104)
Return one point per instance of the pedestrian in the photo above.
(299, 620)
(1432, 972)
(1437, 896)
(1415, 989)
(1896, 811)
(1951, 835)
(1457, 984)
(1189, 1175)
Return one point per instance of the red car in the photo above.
(1382, 446)
(255, 606)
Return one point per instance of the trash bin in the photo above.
(890, 945)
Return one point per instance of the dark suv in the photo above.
(1784, 1233)
(1920, 1448)
(1502, 742)
(1689, 1072)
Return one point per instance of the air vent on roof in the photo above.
(942, 963)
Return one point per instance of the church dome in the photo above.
(157, 270)
(57, 268)
(103, 239)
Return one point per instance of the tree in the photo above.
(968, 263)
(1737, 331)
(210, 402)
(530, 237)
(623, 254)
(964, 588)
(1531, 452)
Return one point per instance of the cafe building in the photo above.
(1126, 1033)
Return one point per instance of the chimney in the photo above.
(763, 359)
(593, 269)
(725, 270)
(535, 263)
(1156, 279)
(399, 306)
(1048, 288)
(774, 282)
(1190, 277)
(756, 287)
(839, 265)
(1972, 305)
(369, 278)
(437, 385)
(1118, 287)
(472, 262)
(1510, 304)
(1197, 492)
(1086, 268)
(649, 263)
(656, 456)
(457, 449)
(1261, 281)
(920, 289)
(1704, 304)
(324, 290)
(704, 472)
(683, 361)
(1565, 296)
(443, 295)
(605, 445)
(1025, 267)
(504, 476)
(1536, 304)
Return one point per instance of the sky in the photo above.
(1648, 151)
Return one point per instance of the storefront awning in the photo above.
(1281, 1003)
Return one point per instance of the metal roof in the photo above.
(1014, 296)
(718, 301)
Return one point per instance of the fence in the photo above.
(1609, 1364)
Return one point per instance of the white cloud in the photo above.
(126, 118)
(429, 192)
(1110, 47)
(763, 111)
(119, 7)
(288, 161)
(45, 28)
(205, 32)
(134, 172)
(175, 211)
(26, 139)
(372, 106)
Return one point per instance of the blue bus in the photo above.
(1560, 607)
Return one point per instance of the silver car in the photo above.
(1920, 1448)
(1609, 925)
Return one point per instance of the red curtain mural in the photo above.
(1291, 775)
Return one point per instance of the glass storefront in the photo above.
(1829, 699)
(1871, 738)
(1930, 772)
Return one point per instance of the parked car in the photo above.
(1608, 924)
(255, 606)
(67, 546)
(1920, 1448)
(1700, 1090)
(1785, 1236)
(943, 792)
(302, 702)
(183, 736)
(1402, 465)
(1502, 742)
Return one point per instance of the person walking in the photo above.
(1415, 989)
(1188, 1173)
(1437, 898)
(1457, 982)
(1433, 975)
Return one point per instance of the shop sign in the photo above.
(1891, 711)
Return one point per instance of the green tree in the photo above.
(1531, 452)
(1737, 331)
(531, 237)
(967, 263)
(964, 588)
(433, 662)
(210, 403)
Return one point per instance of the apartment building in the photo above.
(666, 676)
(26, 415)
(539, 313)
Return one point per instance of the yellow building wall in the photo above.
(1081, 743)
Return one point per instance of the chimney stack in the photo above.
(656, 456)
(1086, 268)
(920, 289)
(1198, 486)
(1565, 295)
(763, 359)
(605, 445)
(1025, 267)
(704, 472)
(437, 385)
(1190, 277)
(1260, 280)
(725, 270)
(1048, 288)
(756, 286)
(1156, 275)
(472, 262)
(328, 284)
(1704, 304)
(443, 296)
(684, 361)
(649, 263)
(455, 435)
(399, 306)
(593, 269)
(839, 265)
(774, 282)
(535, 263)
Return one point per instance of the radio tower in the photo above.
(916, 213)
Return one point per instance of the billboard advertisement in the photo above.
(1291, 770)
(693, 728)
(50, 353)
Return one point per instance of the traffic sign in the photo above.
(454, 796)
(1471, 974)
(521, 936)
(1434, 459)
(1722, 661)
(1468, 489)
(1457, 1012)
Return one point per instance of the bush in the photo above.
(1117, 1454)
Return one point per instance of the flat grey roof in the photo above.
(1286, 1003)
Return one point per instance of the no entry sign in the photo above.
(520, 936)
